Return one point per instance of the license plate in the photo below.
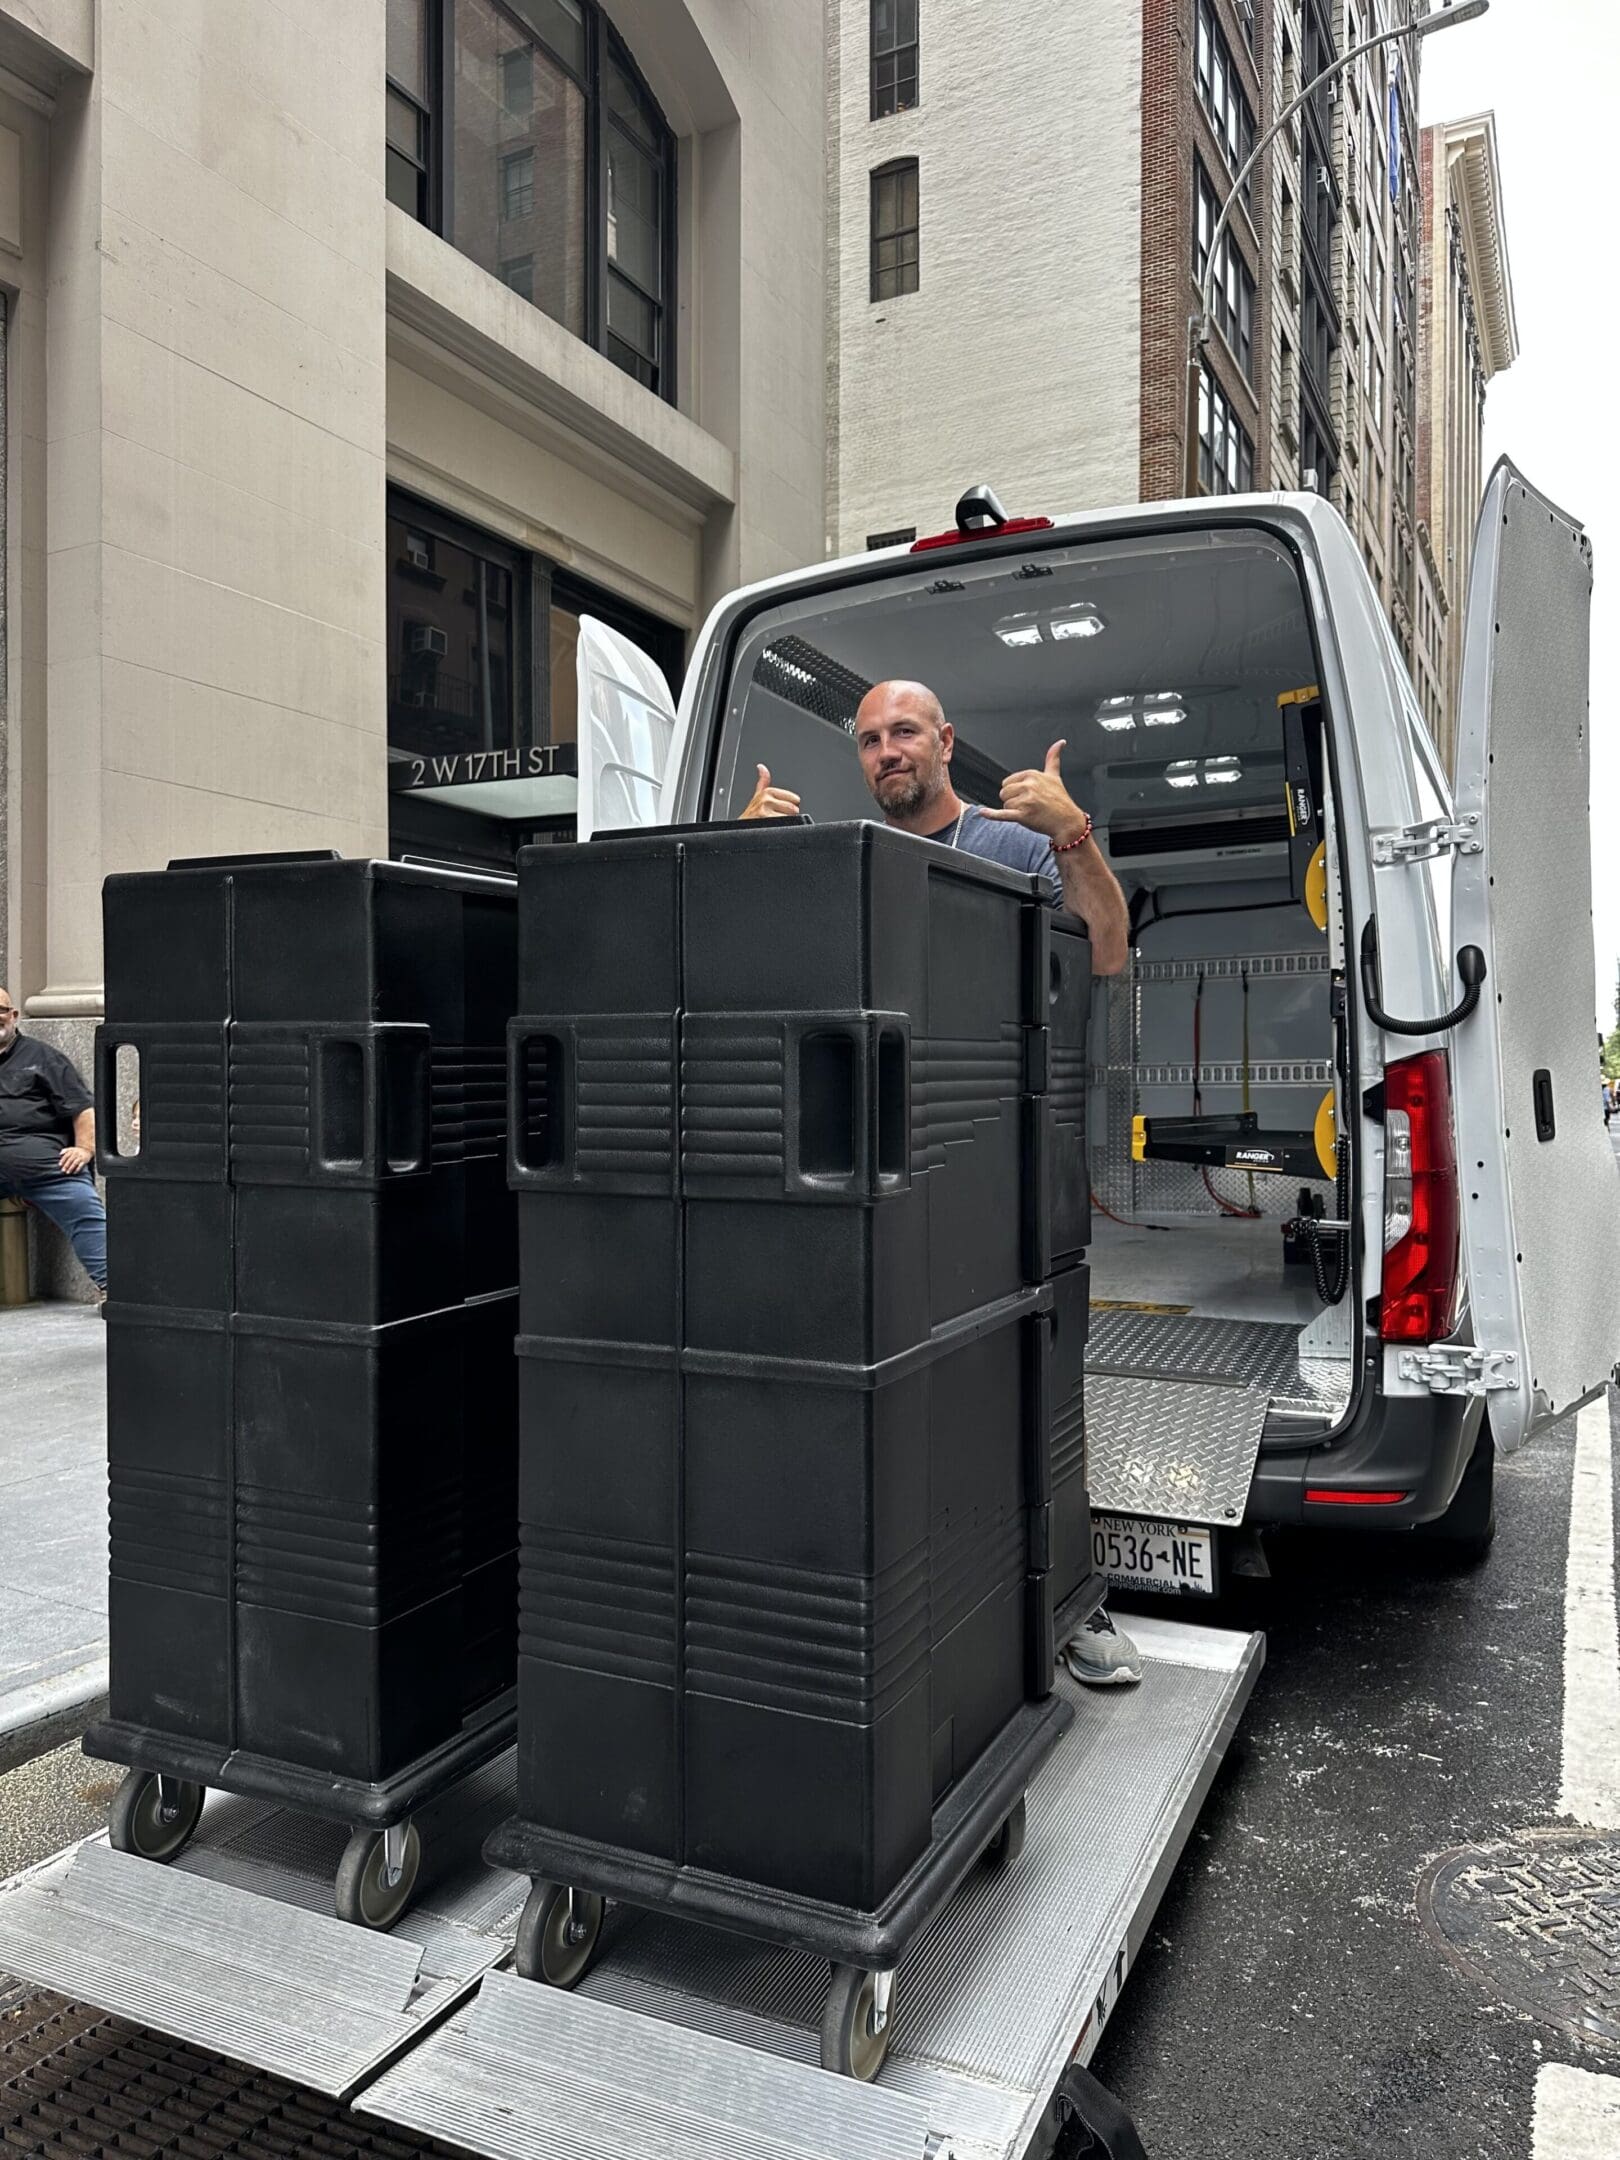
(1174, 1559)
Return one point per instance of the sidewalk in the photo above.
(53, 1526)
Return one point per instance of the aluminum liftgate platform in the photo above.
(683, 2042)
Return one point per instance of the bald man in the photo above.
(905, 742)
(48, 1141)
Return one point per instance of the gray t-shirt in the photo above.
(1014, 846)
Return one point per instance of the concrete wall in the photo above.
(1017, 360)
(224, 344)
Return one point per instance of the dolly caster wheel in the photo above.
(1008, 1842)
(857, 2022)
(377, 1875)
(559, 1934)
(154, 1816)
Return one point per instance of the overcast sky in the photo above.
(1550, 71)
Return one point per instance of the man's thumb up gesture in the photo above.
(1041, 801)
(768, 801)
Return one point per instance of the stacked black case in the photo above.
(794, 1176)
(312, 1302)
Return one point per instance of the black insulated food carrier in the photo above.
(312, 1302)
(798, 1134)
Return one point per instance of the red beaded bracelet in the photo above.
(1063, 847)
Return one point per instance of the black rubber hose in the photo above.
(1470, 966)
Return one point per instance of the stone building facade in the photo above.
(1467, 333)
(353, 352)
(513, 308)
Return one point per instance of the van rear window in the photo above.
(1159, 660)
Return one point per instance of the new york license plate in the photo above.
(1171, 1558)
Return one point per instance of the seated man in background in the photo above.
(904, 742)
(48, 1141)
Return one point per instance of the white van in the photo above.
(1355, 1216)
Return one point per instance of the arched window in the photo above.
(522, 132)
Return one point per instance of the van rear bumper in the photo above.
(1416, 1446)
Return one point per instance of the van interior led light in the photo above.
(1116, 714)
(1222, 771)
(1163, 708)
(1019, 630)
(1183, 773)
(1076, 622)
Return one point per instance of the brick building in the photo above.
(1020, 225)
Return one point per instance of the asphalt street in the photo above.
(1290, 2000)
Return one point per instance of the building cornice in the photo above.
(1475, 181)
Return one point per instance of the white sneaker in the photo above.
(1102, 1655)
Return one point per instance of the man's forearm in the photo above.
(1091, 889)
(84, 1131)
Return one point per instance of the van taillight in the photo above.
(1422, 1214)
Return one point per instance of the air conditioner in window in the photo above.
(428, 641)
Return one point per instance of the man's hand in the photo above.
(1040, 801)
(770, 802)
(72, 1160)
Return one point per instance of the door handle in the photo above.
(1470, 967)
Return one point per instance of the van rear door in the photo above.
(626, 729)
(1540, 1192)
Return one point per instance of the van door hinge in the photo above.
(1431, 836)
(1454, 1369)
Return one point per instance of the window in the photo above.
(520, 131)
(894, 57)
(454, 633)
(1318, 335)
(481, 648)
(894, 230)
(1317, 463)
(1220, 90)
(1372, 384)
(517, 184)
(1225, 453)
(408, 121)
(1233, 291)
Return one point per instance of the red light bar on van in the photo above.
(1327, 1496)
(958, 538)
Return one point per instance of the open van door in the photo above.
(1540, 1192)
(626, 728)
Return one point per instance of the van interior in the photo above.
(1174, 667)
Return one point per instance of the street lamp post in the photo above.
(1437, 18)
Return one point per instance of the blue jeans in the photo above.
(74, 1205)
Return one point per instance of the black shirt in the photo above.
(40, 1096)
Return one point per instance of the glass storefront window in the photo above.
(450, 645)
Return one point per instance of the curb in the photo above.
(43, 1714)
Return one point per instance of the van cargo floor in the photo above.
(1177, 1399)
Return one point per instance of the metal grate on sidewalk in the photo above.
(75, 2084)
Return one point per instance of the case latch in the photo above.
(1456, 1369)
(1430, 836)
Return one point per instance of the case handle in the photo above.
(849, 1117)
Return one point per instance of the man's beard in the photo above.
(902, 794)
